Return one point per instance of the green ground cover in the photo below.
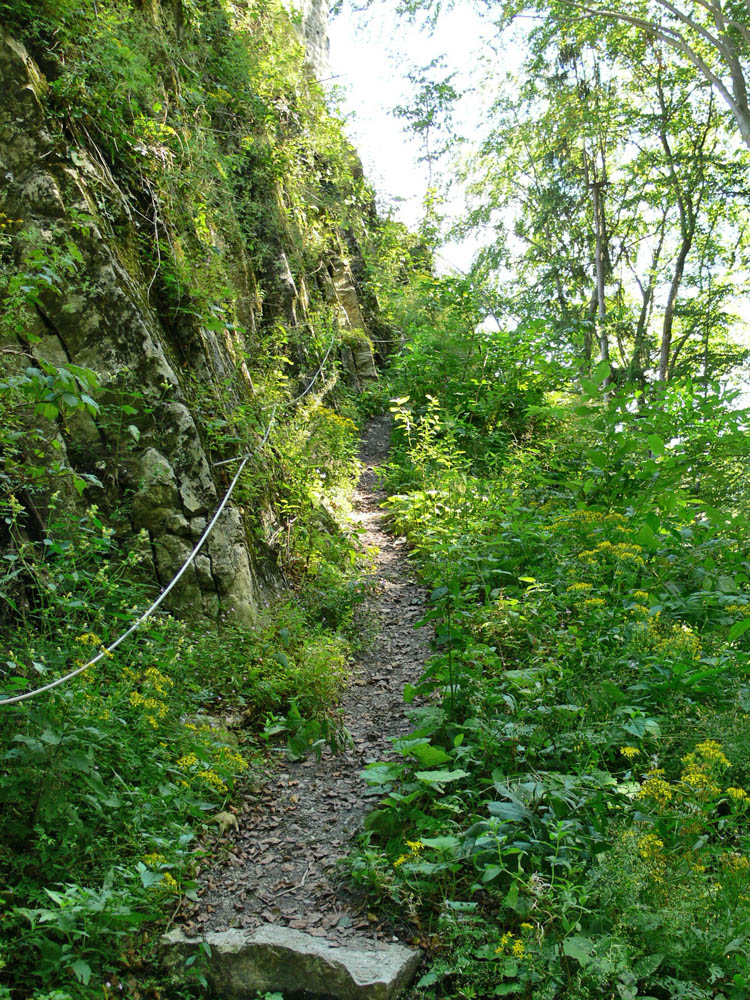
(116, 785)
(569, 815)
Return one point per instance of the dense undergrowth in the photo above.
(212, 132)
(116, 785)
(569, 815)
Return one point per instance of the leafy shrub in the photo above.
(568, 816)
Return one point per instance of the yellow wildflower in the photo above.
(519, 949)
(711, 752)
(739, 795)
(736, 863)
(701, 783)
(505, 940)
(638, 611)
(400, 860)
(154, 859)
(594, 602)
(630, 752)
(229, 758)
(89, 639)
(650, 846)
(212, 779)
(576, 587)
(169, 883)
(656, 788)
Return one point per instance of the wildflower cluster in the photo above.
(656, 788)
(153, 860)
(651, 851)
(512, 946)
(638, 611)
(680, 641)
(216, 766)
(150, 699)
(738, 609)
(415, 848)
(619, 551)
(703, 769)
(739, 796)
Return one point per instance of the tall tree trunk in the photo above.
(600, 277)
(667, 325)
(590, 325)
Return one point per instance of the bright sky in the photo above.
(371, 54)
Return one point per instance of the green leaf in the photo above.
(430, 756)
(601, 373)
(647, 965)
(382, 774)
(462, 906)
(47, 410)
(491, 872)
(511, 898)
(738, 629)
(440, 777)
(513, 811)
(442, 844)
(655, 443)
(82, 971)
(653, 522)
(715, 516)
(579, 948)
(91, 404)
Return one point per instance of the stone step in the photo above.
(242, 964)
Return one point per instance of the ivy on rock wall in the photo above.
(180, 229)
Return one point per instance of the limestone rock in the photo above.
(106, 322)
(296, 964)
(357, 355)
(314, 31)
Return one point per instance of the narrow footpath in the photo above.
(281, 864)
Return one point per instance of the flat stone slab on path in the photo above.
(274, 958)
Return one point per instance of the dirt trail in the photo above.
(281, 862)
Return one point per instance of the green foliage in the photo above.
(105, 780)
(211, 129)
(568, 816)
(34, 392)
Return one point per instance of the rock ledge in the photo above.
(274, 958)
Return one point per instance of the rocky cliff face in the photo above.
(189, 354)
(315, 15)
